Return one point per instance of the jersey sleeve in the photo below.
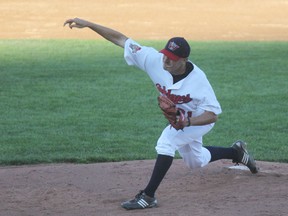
(211, 104)
(209, 101)
(137, 55)
(202, 93)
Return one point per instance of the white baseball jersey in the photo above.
(193, 95)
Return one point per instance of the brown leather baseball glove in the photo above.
(175, 116)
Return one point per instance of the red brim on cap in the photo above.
(170, 55)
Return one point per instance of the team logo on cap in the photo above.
(172, 46)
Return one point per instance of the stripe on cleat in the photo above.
(142, 203)
(245, 159)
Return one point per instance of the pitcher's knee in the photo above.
(194, 163)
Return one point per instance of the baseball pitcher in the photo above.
(186, 99)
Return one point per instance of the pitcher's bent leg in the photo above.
(195, 155)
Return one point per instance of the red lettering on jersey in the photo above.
(177, 99)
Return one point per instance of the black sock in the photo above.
(218, 153)
(162, 165)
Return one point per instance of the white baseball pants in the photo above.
(187, 142)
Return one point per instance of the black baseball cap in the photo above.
(176, 48)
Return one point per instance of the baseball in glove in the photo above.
(174, 115)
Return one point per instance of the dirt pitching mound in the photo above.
(98, 189)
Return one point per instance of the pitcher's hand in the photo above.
(76, 23)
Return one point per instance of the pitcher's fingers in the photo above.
(69, 21)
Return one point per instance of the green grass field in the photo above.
(77, 101)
